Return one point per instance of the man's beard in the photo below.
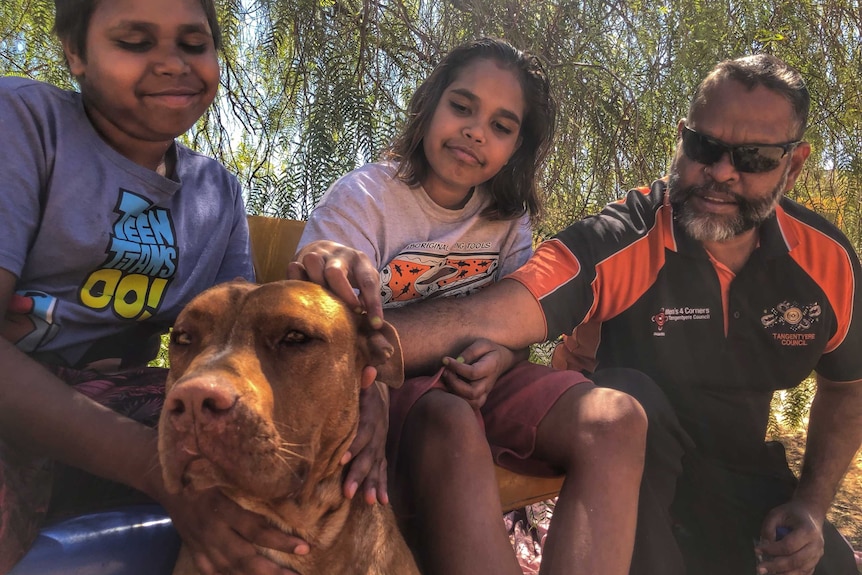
(709, 227)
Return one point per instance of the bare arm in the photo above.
(505, 313)
(834, 436)
(72, 428)
(430, 330)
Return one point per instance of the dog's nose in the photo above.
(200, 400)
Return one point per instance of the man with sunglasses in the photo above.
(721, 290)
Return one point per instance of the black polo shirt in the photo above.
(647, 296)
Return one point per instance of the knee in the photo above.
(637, 385)
(612, 424)
(442, 422)
(621, 418)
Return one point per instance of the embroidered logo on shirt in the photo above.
(789, 319)
(660, 319)
(667, 315)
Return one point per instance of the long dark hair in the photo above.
(513, 189)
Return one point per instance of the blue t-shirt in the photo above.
(106, 252)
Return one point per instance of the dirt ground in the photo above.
(846, 512)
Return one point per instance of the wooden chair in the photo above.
(273, 243)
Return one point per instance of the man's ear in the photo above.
(797, 159)
(76, 62)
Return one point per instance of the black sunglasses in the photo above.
(750, 158)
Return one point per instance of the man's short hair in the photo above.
(760, 70)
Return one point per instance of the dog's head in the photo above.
(263, 391)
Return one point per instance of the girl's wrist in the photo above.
(146, 474)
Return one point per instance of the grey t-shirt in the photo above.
(106, 252)
(421, 249)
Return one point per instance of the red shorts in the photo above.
(510, 417)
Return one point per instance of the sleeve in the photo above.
(23, 177)
(842, 360)
(237, 260)
(519, 246)
(598, 267)
(556, 278)
(349, 213)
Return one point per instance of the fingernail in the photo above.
(345, 459)
(357, 310)
(351, 489)
(376, 322)
(460, 359)
(302, 549)
(445, 361)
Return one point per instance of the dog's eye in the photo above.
(180, 338)
(294, 337)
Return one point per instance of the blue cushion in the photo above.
(134, 540)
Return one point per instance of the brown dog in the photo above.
(263, 402)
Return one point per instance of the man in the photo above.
(721, 290)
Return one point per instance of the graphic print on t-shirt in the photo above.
(30, 320)
(430, 269)
(141, 261)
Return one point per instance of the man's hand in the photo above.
(801, 546)
(221, 536)
(341, 269)
(367, 453)
(472, 376)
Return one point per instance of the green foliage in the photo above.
(313, 88)
(162, 359)
(27, 47)
(790, 408)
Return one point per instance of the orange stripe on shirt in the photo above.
(624, 277)
(620, 279)
(827, 262)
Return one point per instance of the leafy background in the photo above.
(313, 88)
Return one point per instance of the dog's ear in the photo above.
(382, 349)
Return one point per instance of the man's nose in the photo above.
(722, 170)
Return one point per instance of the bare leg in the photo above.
(446, 488)
(597, 435)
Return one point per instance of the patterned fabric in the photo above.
(138, 394)
(30, 487)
